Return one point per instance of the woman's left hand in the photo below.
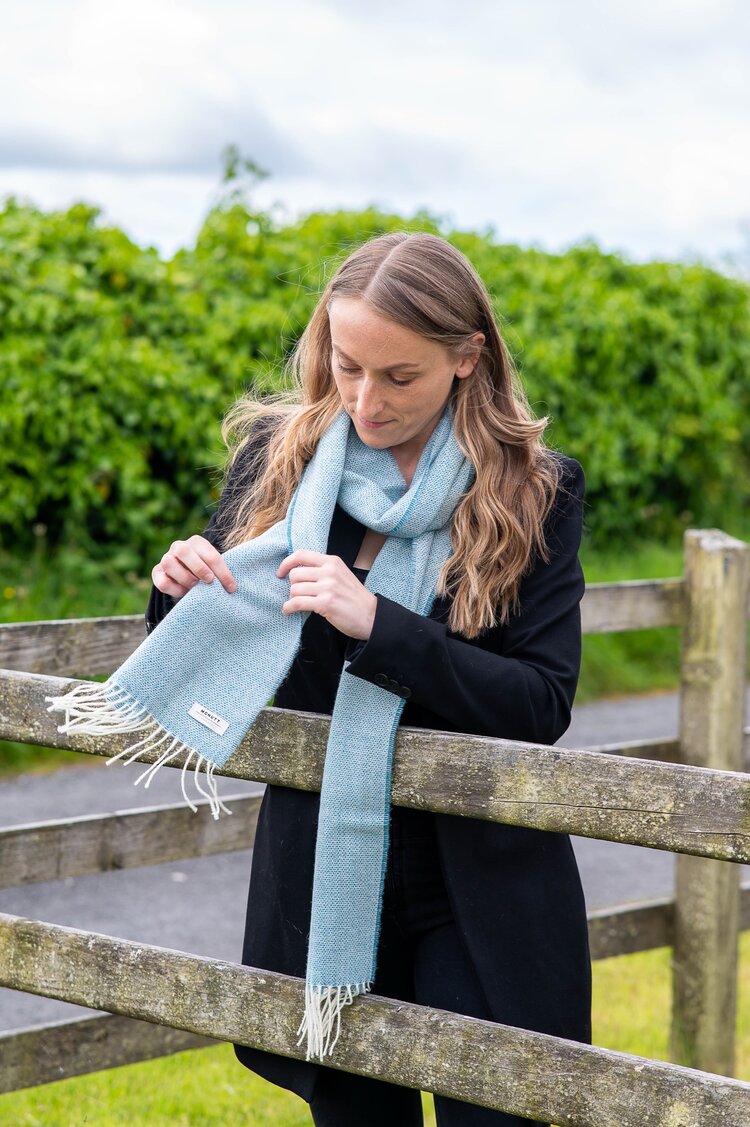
(325, 584)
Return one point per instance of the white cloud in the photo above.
(625, 122)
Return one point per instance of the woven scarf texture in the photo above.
(196, 684)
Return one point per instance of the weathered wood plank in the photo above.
(71, 647)
(642, 925)
(516, 1070)
(126, 839)
(631, 604)
(664, 749)
(45, 1053)
(92, 647)
(660, 805)
(712, 714)
(624, 929)
(77, 1046)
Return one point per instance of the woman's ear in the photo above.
(469, 363)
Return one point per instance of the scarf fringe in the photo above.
(101, 709)
(323, 1006)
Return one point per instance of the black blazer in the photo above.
(515, 891)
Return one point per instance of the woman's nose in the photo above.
(369, 402)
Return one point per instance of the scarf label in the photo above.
(209, 719)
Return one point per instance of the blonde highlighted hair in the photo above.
(425, 284)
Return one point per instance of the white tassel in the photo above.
(99, 710)
(323, 1006)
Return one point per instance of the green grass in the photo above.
(631, 1013)
(194, 1089)
(632, 1004)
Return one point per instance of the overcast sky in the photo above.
(549, 121)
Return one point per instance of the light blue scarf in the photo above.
(196, 684)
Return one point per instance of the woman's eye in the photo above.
(351, 371)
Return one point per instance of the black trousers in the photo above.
(421, 958)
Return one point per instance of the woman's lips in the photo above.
(373, 426)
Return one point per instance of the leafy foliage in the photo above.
(116, 368)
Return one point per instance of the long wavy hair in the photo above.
(424, 283)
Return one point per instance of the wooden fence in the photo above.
(690, 796)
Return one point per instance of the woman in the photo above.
(480, 918)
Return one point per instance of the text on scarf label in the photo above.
(208, 719)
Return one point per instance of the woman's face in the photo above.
(388, 374)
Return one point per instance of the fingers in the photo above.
(300, 557)
(302, 574)
(205, 561)
(320, 588)
(189, 562)
(164, 583)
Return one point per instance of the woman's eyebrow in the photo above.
(388, 367)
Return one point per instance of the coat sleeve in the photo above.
(240, 478)
(516, 682)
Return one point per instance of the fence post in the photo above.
(712, 709)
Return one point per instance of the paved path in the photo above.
(199, 905)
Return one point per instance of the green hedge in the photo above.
(645, 370)
(116, 367)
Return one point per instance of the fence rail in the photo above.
(697, 807)
(499, 1066)
(669, 806)
(94, 647)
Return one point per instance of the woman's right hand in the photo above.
(186, 563)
